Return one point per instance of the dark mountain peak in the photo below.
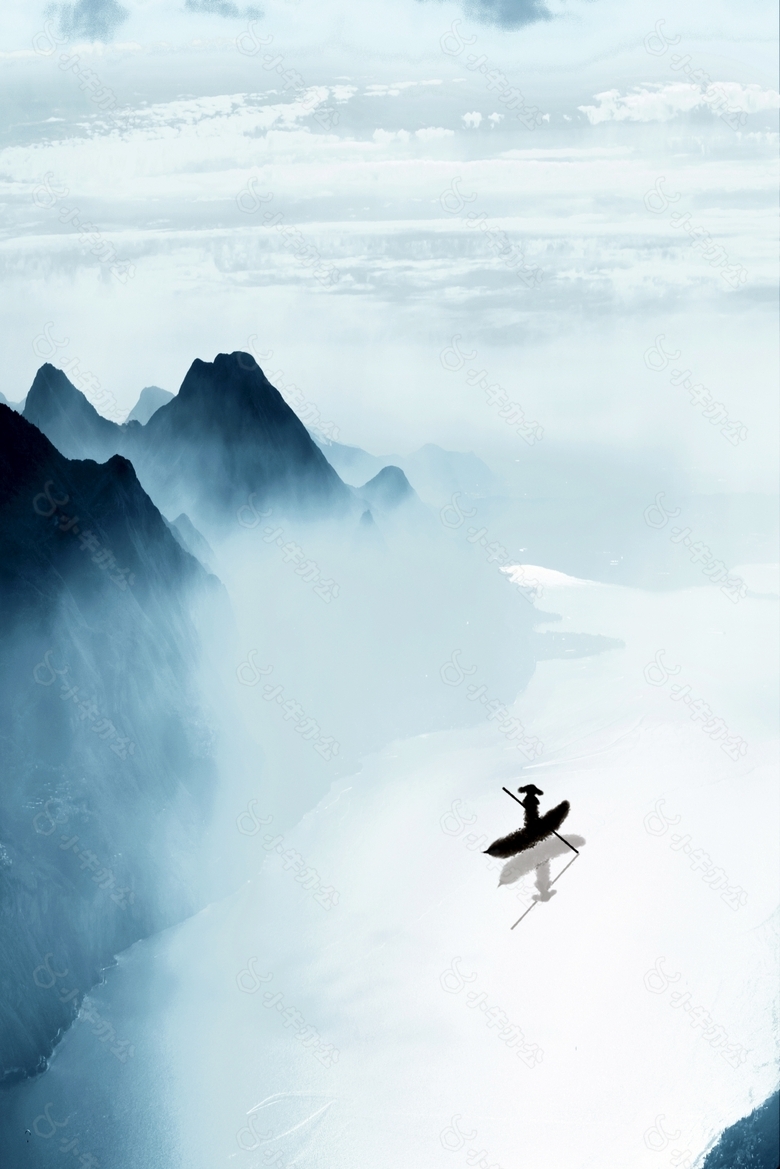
(228, 433)
(57, 514)
(231, 382)
(52, 388)
(63, 413)
(388, 489)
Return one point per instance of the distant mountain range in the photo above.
(435, 474)
(18, 406)
(226, 435)
(234, 437)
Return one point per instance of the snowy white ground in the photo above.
(575, 976)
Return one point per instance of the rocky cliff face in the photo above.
(107, 772)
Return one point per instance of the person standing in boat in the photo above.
(531, 803)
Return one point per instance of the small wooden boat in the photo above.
(531, 833)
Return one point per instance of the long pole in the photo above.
(571, 846)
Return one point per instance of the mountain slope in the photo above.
(229, 433)
(68, 420)
(751, 1143)
(107, 774)
(186, 534)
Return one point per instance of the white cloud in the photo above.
(769, 136)
(472, 119)
(496, 118)
(751, 99)
(393, 89)
(430, 132)
(343, 93)
(661, 103)
(425, 134)
(385, 137)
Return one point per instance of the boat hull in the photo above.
(531, 834)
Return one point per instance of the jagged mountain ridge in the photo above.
(109, 497)
(103, 737)
(228, 433)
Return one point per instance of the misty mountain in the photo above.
(354, 465)
(187, 535)
(68, 419)
(435, 474)
(228, 433)
(108, 774)
(151, 399)
(388, 489)
(394, 506)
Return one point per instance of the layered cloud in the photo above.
(661, 103)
